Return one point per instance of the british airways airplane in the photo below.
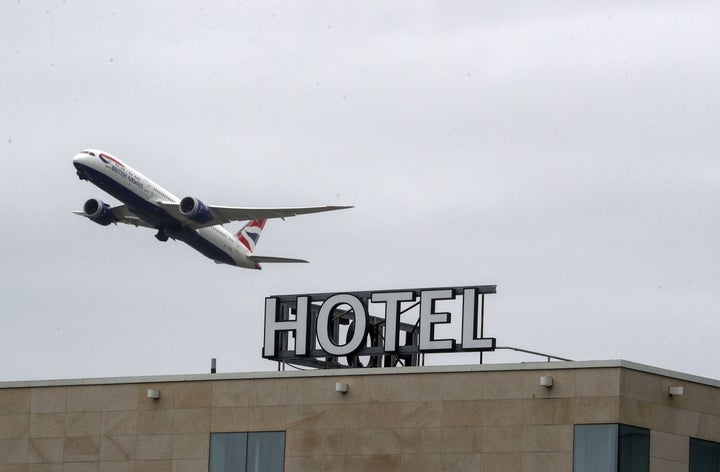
(189, 220)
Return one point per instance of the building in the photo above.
(555, 416)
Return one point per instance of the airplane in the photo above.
(189, 220)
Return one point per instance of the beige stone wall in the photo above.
(460, 421)
(485, 420)
(645, 402)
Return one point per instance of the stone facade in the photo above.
(491, 417)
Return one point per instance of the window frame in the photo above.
(235, 447)
(621, 454)
(694, 444)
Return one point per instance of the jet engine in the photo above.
(99, 212)
(195, 210)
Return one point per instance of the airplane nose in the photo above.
(80, 161)
(82, 158)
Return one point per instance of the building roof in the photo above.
(368, 371)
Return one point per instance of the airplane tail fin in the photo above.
(249, 236)
(250, 233)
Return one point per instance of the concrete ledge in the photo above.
(525, 366)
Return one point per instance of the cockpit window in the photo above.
(88, 152)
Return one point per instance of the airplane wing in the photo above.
(224, 214)
(123, 215)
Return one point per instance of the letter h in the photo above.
(274, 325)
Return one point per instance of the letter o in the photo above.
(323, 319)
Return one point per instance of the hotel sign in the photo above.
(390, 326)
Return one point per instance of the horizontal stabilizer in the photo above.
(273, 259)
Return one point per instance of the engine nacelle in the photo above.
(195, 210)
(99, 212)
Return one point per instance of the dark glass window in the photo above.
(704, 456)
(611, 448)
(633, 449)
(247, 452)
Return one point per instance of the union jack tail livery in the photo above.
(250, 233)
(249, 236)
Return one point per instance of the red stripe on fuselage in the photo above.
(112, 159)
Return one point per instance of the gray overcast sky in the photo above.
(566, 151)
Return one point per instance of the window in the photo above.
(611, 448)
(634, 449)
(704, 456)
(247, 452)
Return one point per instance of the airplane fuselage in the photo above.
(144, 198)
